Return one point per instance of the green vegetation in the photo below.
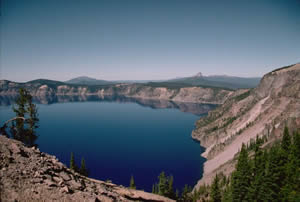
(229, 82)
(229, 120)
(210, 130)
(178, 85)
(106, 85)
(167, 85)
(185, 195)
(261, 175)
(211, 117)
(215, 192)
(72, 163)
(23, 126)
(82, 170)
(241, 178)
(256, 143)
(202, 193)
(242, 96)
(164, 187)
(25, 129)
(132, 183)
(50, 83)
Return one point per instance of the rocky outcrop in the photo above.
(44, 88)
(262, 111)
(26, 174)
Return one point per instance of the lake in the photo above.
(121, 137)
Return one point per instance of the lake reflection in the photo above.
(194, 108)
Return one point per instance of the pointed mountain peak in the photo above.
(199, 74)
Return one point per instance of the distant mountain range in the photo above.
(221, 81)
(84, 80)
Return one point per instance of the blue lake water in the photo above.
(118, 140)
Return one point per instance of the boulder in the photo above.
(64, 176)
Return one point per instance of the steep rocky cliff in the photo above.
(262, 111)
(26, 174)
(46, 88)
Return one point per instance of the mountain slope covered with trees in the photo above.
(270, 174)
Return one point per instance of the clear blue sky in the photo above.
(143, 39)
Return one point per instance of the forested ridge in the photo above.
(271, 174)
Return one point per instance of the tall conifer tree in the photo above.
(72, 163)
(215, 191)
(162, 184)
(241, 177)
(83, 170)
(132, 183)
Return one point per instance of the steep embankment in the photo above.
(262, 111)
(46, 88)
(26, 174)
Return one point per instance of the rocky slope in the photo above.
(262, 111)
(162, 91)
(26, 174)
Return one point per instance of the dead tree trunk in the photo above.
(3, 128)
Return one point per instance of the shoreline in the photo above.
(103, 96)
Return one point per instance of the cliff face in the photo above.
(142, 91)
(26, 174)
(262, 111)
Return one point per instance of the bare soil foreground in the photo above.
(26, 174)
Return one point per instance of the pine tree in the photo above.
(26, 113)
(227, 194)
(185, 193)
(296, 148)
(264, 192)
(170, 192)
(258, 174)
(153, 189)
(132, 183)
(162, 184)
(73, 163)
(20, 111)
(241, 177)
(215, 192)
(284, 164)
(177, 194)
(273, 174)
(292, 169)
(156, 188)
(32, 121)
(83, 170)
(286, 140)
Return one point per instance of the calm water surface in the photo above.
(118, 140)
